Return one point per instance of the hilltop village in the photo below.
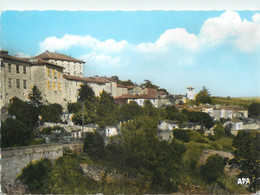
(140, 129)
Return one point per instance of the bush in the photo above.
(183, 135)
(35, 175)
(14, 133)
(51, 113)
(213, 169)
(74, 107)
(94, 145)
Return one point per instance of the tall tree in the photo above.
(86, 93)
(35, 97)
(106, 110)
(149, 84)
(203, 97)
(24, 112)
(247, 153)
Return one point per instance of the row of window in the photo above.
(17, 83)
(54, 73)
(17, 68)
(53, 85)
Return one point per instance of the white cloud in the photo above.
(174, 46)
(230, 29)
(101, 59)
(22, 55)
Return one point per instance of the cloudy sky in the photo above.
(173, 49)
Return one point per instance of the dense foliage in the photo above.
(51, 113)
(247, 154)
(254, 110)
(213, 169)
(15, 133)
(203, 97)
(86, 93)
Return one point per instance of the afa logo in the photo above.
(243, 181)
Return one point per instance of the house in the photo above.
(77, 134)
(139, 99)
(229, 112)
(235, 124)
(206, 108)
(168, 125)
(111, 131)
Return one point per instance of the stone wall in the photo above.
(100, 173)
(15, 159)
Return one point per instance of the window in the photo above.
(9, 68)
(48, 72)
(9, 82)
(53, 85)
(17, 68)
(17, 83)
(74, 67)
(58, 74)
(24, 69)
(24, 84)
(59, 86)
(48, 85)
(53, 72)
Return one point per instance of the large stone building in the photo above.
(59, 78)
(71, 65)
(19, 75)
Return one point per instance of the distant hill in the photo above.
(239, 101)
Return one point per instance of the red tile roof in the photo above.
(124, 86)
(131, 96)
(190, 88)
(89, 79)
(56, 56)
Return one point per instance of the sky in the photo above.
(173, 49)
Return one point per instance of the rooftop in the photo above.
(137, 96)
(57, 56)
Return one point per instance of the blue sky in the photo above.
(173, 49)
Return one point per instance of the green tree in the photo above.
(173, 114)
(73, 107)
(129, 111)
(24, 112)
(254, 110)
(14, 133)
(51, 113)
(106, 110)
(219, 131)
(149, 109)
(213, 169)
(203, 97)
(35, 97)
(148, 84)
(247, 153)
(86, 93)
(94, 145)
(35, 176)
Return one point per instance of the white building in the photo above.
(190, 93)
(168, 125)
(111, 131)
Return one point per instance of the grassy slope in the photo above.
(243, 101)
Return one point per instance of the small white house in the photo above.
(236, 124)
(111, 131)
(76, 134)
